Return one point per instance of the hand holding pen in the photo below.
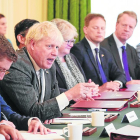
(5, 121)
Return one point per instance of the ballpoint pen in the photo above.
(92, 109)
(3, 116)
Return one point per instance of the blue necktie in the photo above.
(102, 74)
(125, 64)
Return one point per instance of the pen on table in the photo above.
(58, 123)
(3, 116)
(97, 109)
(136, 97)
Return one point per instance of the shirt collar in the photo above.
(118, 43)
(92, 46)
(36, 67)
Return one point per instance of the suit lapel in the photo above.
(102, 59)
(129, 57)
(60, 73)
(90, 54)
(115, 53)
(23, 54)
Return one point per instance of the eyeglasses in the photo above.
(69, 42)
(4, 71)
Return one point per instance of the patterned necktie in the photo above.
(102, 74)
(125, 63)
(42, 84)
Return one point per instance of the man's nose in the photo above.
(55, 52)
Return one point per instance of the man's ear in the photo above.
(117, 24)
(85, 30)
(32, 44)
(21, 39)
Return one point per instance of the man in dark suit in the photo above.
(31, 83)
(125, 26)
(7, 128)
(97, 62)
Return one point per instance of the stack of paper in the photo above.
(54, 135)
(83, 118)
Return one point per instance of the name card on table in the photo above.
(107, 130)
(129, 117)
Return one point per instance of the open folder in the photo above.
(121, 95)
(127, 132)
(109, 105)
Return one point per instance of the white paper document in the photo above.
(78, 119)
(53, 135)
(128, 130)
(83, 121)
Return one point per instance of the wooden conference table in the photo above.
(117, 123)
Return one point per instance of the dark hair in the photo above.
(90, 16)
(22, 28)
(1, 16)
(6, 49)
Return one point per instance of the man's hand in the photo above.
(94, 91)
(81, 90)
(49, 121)
(133, 82)
(8, 123)
(109, 86)
(36, 126)
(10, 133)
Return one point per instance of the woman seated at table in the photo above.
(3, 26)
(69, 71)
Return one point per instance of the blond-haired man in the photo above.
(33, 69)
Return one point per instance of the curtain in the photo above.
(73, 11)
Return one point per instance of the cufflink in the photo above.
(102, 55)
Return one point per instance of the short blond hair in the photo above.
(129, 13)
(67, 30)
(44, 29)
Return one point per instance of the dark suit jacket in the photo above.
(85, 56)
(60, 77)
(21, 122)
(133, 60)
(20, 89)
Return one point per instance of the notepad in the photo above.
(38, 136)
